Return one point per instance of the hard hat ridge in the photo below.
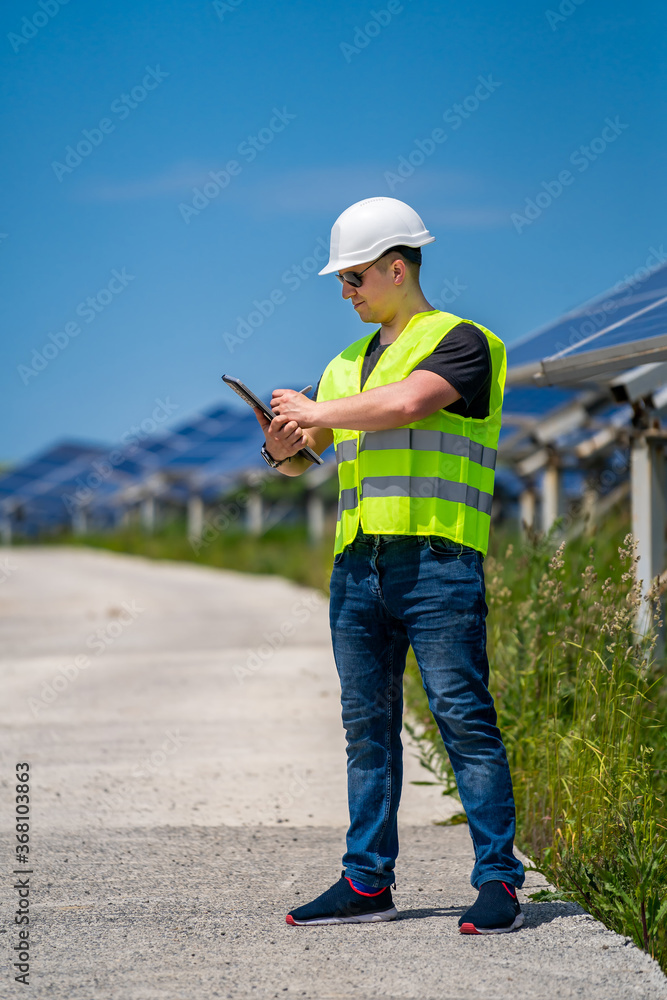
(369, 227)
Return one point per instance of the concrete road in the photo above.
(187, 767)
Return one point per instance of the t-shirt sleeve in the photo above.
(317, 388)
(463, 358)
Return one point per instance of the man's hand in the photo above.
(283, 435)
(396, 404)
(294, 406)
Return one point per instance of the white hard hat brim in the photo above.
(347, 261)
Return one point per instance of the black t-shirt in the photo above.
(462, 357)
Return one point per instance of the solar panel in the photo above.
(639, 339)
(48, 468)
(631, 312)
(534, 401)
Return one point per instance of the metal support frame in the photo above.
(79, 521)
(6, 530)
(148, 514)
(647, 476)
(589, 507)
(255, 513)
(551, 489)
(195, 517)
(315, 516)
(527, 508)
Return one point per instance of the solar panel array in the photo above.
(205, 455)
(27, 492)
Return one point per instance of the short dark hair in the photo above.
(411, 255)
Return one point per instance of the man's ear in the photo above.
(398, 271)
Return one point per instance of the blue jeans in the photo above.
(389, 592)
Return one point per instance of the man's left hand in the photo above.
(296, 406)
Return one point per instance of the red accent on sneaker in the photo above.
(512, 894)
(360, 893)
(289, 919)
(468, 929)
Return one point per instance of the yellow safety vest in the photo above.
(432, 477)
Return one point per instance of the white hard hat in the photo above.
(368, 228)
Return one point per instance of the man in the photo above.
(414, 412)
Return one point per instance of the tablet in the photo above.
(252, 400)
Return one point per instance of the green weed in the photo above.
(581, 706)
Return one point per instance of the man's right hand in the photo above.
(283, 436)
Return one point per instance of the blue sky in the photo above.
(128, 296)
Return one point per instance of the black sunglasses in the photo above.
(354, 277)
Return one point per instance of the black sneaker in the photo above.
(496, 911)
(341, 904)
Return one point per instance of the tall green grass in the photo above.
(582, 708)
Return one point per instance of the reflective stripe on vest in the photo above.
(347, 500)
(422, 486)
(346, 451)
(422, 440)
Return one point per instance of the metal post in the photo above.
(589, 505)
(647, 476)
(148, 514)
(254, 513)
(79, 521)
(315, 515)
(6, 530)
(195, 517)
(550, 496)
(527, 508)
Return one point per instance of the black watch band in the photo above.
(270, 460)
